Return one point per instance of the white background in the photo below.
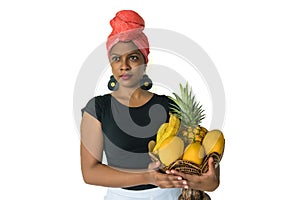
(255, 46)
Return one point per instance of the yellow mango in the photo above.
(194, 152)
(170, 150)
(214, 142)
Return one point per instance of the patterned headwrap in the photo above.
(127, 26)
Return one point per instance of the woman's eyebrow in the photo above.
(129, 53)
(134, 52)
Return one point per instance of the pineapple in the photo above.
(190, 112)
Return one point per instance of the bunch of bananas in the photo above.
(166, 130)
(168, 147)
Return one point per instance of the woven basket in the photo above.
(193, 169)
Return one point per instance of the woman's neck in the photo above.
(132, 97)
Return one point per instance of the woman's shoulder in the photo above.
(99, 100)
(163, 99)
(102, 97)
(96, 105)
(166, 100)
(160, 96)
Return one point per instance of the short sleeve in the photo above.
(91, 108)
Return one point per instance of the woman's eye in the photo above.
(133, 58)
(115, 58)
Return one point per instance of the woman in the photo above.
(123, 122)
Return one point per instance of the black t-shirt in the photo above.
(127, 130)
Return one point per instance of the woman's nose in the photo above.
(124, 65)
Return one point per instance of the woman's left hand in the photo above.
(208, 181)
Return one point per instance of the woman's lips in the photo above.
(125, 76)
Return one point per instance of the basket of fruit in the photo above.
(184, 145)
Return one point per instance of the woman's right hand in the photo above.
(164, 180)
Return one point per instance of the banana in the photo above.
(166, 130)
(174, 121)
(160, 136)
(151, 145)
(173, 127)
(162, 129)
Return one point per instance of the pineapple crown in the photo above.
(186, 107)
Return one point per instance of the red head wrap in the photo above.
(128, 26)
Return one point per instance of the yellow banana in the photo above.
(166, 130)
(162, 129)
(151, 145)
(173, 127)
(174, 121)
(159, 136)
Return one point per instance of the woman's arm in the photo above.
(96, 173)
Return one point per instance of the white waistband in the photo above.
(153, 193)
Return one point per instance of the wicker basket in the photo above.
(191, 168)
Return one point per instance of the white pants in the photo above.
(150, 194)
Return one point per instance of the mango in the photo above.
(194, 153)
(214, 142)
(170, 150)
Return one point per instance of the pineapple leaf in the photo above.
(186, 107)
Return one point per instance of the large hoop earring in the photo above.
(113, 84)
(146, 83)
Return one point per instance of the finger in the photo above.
(173, 177)
(211, 166)
(170, 181)
(154, 165)
(178, 173)
(173, 180)
(174, 184)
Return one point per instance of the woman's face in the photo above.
(128, 64)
